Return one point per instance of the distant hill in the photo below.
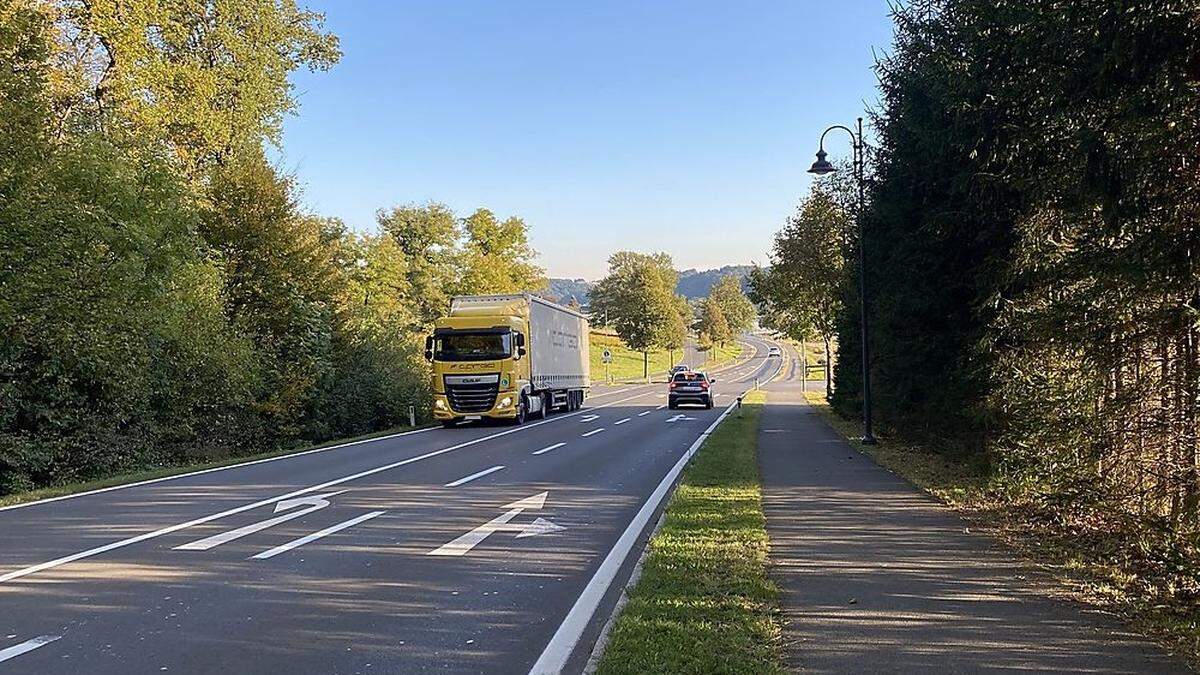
(563, 291)
(693, 284)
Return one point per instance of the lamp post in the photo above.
(820, 168)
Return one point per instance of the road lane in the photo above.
(367, 594)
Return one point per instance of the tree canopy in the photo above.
(637, 298)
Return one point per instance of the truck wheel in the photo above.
(545, 412)
(522, 410)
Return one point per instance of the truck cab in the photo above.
(506, 357)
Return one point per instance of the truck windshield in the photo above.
(473, 346)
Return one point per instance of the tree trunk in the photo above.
(646, 365)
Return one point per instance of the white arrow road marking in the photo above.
(548, 448)
(468, 541)
(592, 432)
(589, 418)
(26, 646)
(680, 417)
(539, 526)
(314, 503)
(621, 421)
(478, 474)
(319, 534)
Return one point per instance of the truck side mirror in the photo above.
(520, 339)
(429, 348)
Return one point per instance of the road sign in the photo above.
(606, 357)
(463, 545)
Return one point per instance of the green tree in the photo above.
(806, 284)
(713, 325)
(497, 257)
(638, 299)
(738, 310)
(205, 79)
(427, 236)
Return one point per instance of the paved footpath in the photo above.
(878, 577)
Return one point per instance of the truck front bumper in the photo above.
(505, 407)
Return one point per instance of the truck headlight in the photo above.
(439, 404)
(505, 402)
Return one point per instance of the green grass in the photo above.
(704, 602)
(627, 363)
(173, 470)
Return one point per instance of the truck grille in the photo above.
(472, 395)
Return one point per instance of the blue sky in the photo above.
(683, 127)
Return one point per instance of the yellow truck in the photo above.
(507, 357)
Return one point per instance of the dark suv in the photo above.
(690, 387)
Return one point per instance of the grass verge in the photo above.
(175, 470)
(627, 363)
(704, 602)
(1099, 562)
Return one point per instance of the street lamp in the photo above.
(821, 167)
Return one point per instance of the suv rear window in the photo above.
(689, 377)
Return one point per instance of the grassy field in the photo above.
(627, 363)
(1094, 564)
(704, 602)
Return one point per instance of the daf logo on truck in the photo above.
(519, 362)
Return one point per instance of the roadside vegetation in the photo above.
(164, 301)
(704, 602)
(1030, 238)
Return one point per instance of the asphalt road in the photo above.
(478, 549)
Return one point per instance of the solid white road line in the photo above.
(558, 650)
(478, 474)
(548, 448)
(26, 646)
(554, 657)
(122, 543)
(592, 432)
(309, 538)
(621, 421)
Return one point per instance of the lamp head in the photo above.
(822, 165)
